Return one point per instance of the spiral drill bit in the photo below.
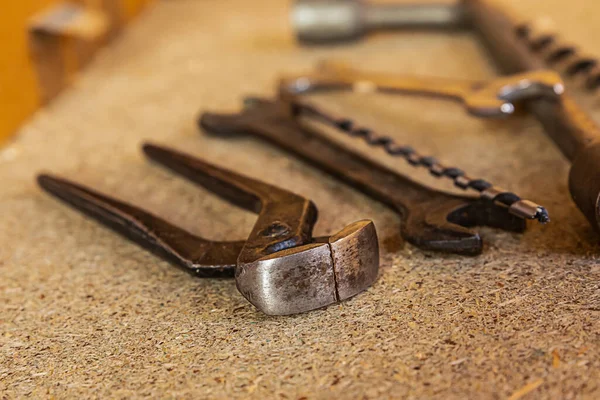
(516, 205)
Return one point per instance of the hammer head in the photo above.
(584, 183)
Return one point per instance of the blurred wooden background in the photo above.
(22, 88)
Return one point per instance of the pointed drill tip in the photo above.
(529, 210)
(542, 215)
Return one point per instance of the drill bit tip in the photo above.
(529, 210)
(542, 215)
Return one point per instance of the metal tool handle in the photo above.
(336, 159)
(422, 15)
(360, 81)
(323, 21)
(193, 254)
(432, 219)
(392, 82)
(487, 99)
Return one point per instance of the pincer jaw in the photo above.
(315, 275)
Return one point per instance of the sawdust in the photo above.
(85, 314)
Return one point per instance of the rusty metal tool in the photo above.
(431, 219)
(571, 128)
(494, 98)
(281, 269)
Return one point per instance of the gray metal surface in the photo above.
(322, 21)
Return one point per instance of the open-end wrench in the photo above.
(494, 98)
(431, 219)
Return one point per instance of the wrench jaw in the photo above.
(483, 101)
(312, 276)
(432, 230)
(482, 106)
(484, 212)
(223, 125)
(497, 97)
(228, 126)
(584, 183)
(532, 85)
(446, 225)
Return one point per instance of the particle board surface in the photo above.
(86, 314)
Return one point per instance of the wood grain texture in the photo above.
(85, 314)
